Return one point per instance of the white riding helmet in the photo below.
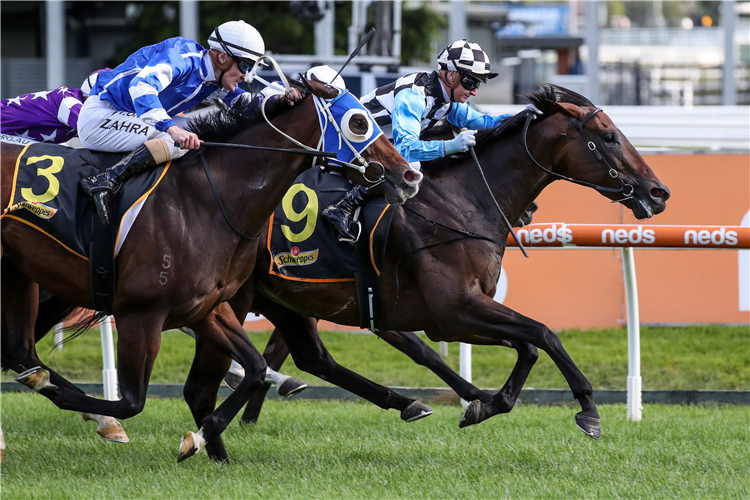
(238, 39)
(326, 74)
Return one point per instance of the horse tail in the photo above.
(53, 310)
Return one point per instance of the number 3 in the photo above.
(310, 212)
(54, 184)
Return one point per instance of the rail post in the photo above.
(59, 336)
(634, 405)
(109, 373)
(465, 366)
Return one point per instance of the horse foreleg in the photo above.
(275, 354)
(202, 388)
(301, 336)
(422, 354)
(224, 333)
(490, 323)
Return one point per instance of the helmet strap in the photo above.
(221, 77)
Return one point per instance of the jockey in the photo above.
(131, 108)
(415, 102)
(49, 116)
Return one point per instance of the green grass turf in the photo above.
(344, 450)
(699, 357)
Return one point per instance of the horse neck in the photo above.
(510, 173)
(256, 181)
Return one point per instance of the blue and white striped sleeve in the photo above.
(464, 116)
(145, 87)
(407, 124)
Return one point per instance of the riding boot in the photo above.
(341, 213)
(100, 186)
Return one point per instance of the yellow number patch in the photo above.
(310, 212)
(54, 184)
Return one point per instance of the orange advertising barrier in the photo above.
(603, 235)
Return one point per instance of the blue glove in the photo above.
(462, 142)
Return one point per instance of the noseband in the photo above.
(625, 189)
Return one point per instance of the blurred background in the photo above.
(689, 53)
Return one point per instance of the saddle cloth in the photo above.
(46, 195)
(305, 247)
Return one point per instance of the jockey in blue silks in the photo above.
(415, 102)
(131, 107)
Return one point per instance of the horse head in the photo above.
(365, 155)
(592, 150)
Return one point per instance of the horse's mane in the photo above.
(541, 97)
(220, 125)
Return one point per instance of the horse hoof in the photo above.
(290, 387)
(190, 444)
(114, 433)
(415, 411)
(470, 415)
(36, 378)
(589, 425)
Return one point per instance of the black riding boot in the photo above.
(99, 187)
(341, 213)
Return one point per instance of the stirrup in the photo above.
(345, 239)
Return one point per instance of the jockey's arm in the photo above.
(144, 90)
(407, 125)
(464, 116)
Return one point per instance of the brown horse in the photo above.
(181, 261)
(444, 253)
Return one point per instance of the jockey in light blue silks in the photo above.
(415, 102)
(131, 107)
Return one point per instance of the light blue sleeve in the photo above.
(464, 116)
(145, 87)
(407, 115)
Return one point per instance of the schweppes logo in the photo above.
(39, 209)
(296, 258)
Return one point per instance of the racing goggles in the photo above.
(244, 66)
(469, 83)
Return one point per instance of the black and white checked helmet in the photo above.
(466, 57)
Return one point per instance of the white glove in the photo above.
(462, 142)
(533, 109)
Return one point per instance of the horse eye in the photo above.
(609, 137)
(358, 124)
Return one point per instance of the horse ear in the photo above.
(566, 108)
(319, 88)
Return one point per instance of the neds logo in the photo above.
(638, 235)
(549, 235)
(704, 237)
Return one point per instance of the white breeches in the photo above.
(103, 128)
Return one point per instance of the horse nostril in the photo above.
(659, 194)
(412, 176)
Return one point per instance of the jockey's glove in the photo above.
(533, 109)
(461, 143)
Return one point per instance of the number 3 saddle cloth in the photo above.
(46, 194)
(305, 247)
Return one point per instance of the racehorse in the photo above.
(182, 260)
(445, 248)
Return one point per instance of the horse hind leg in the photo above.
(505, 399)
(421, 353)
(275, 354)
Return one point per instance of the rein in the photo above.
(625, 189)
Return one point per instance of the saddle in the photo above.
(305, 247)
(46, 196)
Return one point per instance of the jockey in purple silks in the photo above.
(48, 116)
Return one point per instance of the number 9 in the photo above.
(310, 212)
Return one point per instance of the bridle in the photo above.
(324, 109)
(625, 189)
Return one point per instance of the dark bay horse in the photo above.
(181, 261)
(445, 249)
